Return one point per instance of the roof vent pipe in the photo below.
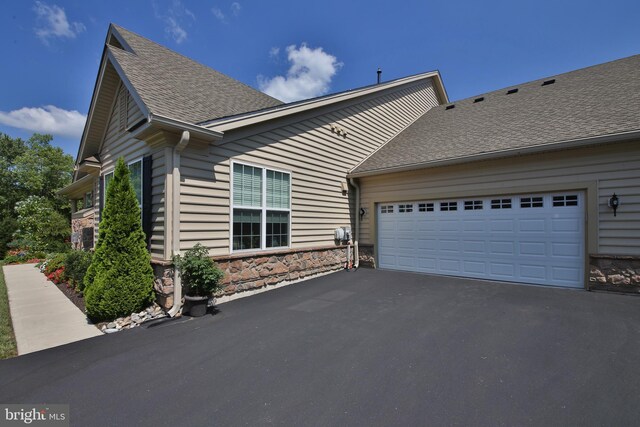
(379, 74)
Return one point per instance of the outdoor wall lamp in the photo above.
(614, 202)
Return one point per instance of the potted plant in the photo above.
(200, 278)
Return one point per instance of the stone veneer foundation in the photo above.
(80, 222)
(244, 272)
(614, 273)
(367, 256)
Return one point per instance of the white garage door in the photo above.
(523, 238)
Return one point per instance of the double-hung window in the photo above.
(261, 205)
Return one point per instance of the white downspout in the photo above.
(356, 232)
(175, 223)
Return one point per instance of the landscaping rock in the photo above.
(111, 325)
(110, 330)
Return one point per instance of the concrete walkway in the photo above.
(42, 316)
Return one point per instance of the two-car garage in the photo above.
(532, 238)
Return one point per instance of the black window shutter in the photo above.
(101, 195)
(146, 197)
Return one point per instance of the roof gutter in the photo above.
(560, 145)
(156, 122)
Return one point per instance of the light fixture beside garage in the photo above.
(614, 202)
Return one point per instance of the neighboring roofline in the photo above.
(553, 146)
(241, 120)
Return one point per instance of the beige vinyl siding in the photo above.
(317, 158)
(158, 177)
(601, 170)
(119, 143)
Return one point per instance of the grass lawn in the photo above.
(7, 340)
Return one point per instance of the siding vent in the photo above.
(478, 99)
(512, 91)
(450, 107)
(548, 82)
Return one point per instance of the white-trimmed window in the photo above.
(261, 208)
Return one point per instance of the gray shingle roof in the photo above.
(172, 85)
(595, 101)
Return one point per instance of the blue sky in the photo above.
(293, 49)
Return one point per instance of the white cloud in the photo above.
(274, 52)
(174, 30)
(308, 76)
(217, 13)
(235, 8)
(53, 22)
(176, 18)
(221, 16)
(47, 119)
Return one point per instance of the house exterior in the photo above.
(512, 185)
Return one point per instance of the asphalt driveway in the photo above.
(362, 348)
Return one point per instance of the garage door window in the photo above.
(568, 200)
(501, 204)
(386, 209)
(425, 207)
(448, 206)
(405, 208)
(472, 205)
(531, 202)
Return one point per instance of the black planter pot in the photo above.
(195, 306)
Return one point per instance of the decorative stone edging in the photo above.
(134, 320)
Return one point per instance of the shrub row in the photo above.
(69, 267)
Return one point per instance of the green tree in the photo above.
(32, 168)
(42, 169)
(10, 193)
(119, 280)
(40, 227)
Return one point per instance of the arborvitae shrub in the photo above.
(119, 280)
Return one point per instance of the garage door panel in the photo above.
(501, 248)
(565, 225)
(502, 225)
(475, 225)
(449, 265)
(474, 247)
(475, 268)
(571, 250)
(501, 270)
(508, 239)
(448, 225)
(531, 225)
(533, 248)
(533, 272)
(565, 274)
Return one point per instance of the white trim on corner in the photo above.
(263, 209)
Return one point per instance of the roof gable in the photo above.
(591, 102)
(172, 85)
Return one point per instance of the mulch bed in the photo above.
(75, 297)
